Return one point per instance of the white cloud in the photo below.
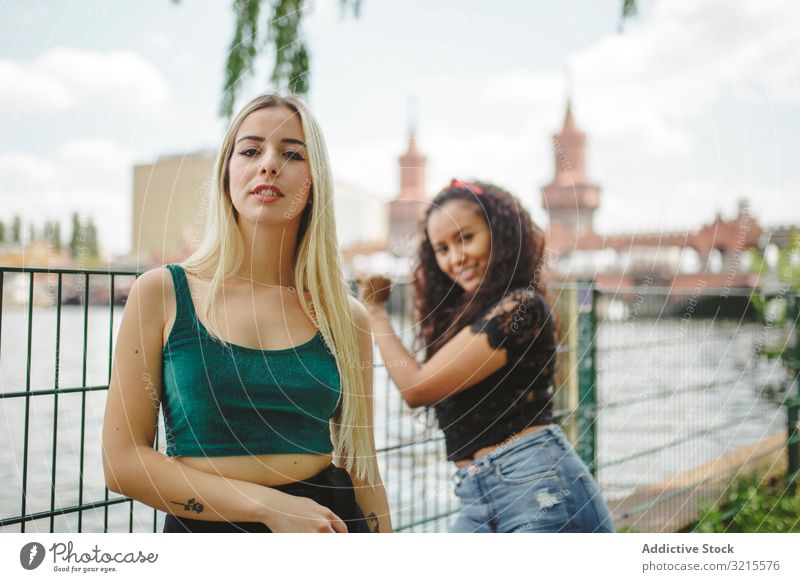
(30, 89)
(667, 71)
(648, 99)
(90, 176)
(641, 96)
(645, 89)
(496, 129)
(65, 77)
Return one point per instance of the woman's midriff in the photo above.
(486, 450)
(267, 470)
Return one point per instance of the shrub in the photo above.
(748, 506)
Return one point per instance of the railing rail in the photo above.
(411, 468)
(614, 371)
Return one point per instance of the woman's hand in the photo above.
(295, 514)
(374, 291)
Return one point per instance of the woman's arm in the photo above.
(133, 468)
(464, 361)
(370, 497)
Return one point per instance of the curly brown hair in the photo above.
(516, 260)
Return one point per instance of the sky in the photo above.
(693, 106)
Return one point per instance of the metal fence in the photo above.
(644, 392)
(694, 389)
(56, 343)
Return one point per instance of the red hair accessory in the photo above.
(471, 186)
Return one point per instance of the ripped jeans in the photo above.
(536, 483)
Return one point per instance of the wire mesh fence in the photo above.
(663, 393)
(691, 393)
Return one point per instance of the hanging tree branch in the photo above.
(291, 56)
(282, 36)
(628, 11)
(242, 52)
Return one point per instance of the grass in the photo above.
(750, 506)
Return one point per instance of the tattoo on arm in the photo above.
(191, 505)
(373, 524)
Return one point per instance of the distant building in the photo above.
(570, 199)
(715, 251)
(406, 211)
(170, 202)
(171, 199)
(36, 253)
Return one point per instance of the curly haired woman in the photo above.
(490, 353)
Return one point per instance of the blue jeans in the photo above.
(536, 483)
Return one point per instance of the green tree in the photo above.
(281, 36)
(75, 239)
(91, 242)
(789, 262)
(84, 246)
(628, 8)
(57, 235)
(16, 230)
(2, 232)
(48, 231)
(52, 232)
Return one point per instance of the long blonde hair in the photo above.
(317, 270)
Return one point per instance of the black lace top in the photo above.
(516, 396)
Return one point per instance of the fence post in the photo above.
(565, 398)
(793, 394)
(586, 444)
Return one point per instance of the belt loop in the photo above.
(559, 437)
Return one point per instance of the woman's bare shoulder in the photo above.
(153, 293)
(153, 284)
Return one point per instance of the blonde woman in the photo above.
(254, 351)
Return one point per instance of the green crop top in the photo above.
(222, 399)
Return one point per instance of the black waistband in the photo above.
(331, 487)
